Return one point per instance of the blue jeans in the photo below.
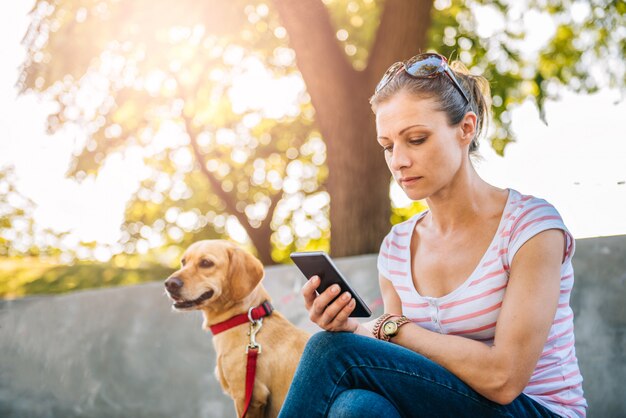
(347, 375)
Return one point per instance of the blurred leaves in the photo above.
(584, 49)
(194, 90)
(19, 235)
(159, 82)
(402, 214)
(356, 24)
(32, 276)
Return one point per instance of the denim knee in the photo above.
(326, 344)
(359, 403)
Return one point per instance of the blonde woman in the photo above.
(476, 289)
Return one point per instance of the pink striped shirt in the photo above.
(472, 309)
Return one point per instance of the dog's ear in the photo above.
(245, 272)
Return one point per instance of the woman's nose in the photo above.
(399, 158)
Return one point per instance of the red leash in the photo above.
(250, 374)
(253, 349)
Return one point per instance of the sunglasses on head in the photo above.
(428, 65)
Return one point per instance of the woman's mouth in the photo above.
(406, 181)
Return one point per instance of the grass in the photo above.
(32, 276)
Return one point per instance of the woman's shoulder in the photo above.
(525, 210)
(529, 215)
(527, 206)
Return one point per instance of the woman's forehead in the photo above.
(405, 110)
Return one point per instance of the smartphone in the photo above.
(318, 263)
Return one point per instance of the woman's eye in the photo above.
(388, 149)
(417, 141)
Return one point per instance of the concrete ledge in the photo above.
(123, 353)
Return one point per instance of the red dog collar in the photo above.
(254, 314)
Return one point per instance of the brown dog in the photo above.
(222, 280)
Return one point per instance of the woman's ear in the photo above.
(468, 127)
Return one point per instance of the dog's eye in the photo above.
(182, 262)
(206, 263)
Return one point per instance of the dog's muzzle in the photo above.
(182, 304)
(174, 285)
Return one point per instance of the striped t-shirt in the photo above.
(472, 309)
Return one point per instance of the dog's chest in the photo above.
(231, 360)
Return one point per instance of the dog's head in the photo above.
(212, 271)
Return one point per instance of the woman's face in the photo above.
(422, 151)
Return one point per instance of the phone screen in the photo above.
(318, 263)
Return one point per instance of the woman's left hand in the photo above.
(328, 311)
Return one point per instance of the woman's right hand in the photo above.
(333, 317)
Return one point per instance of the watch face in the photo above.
(390, 328)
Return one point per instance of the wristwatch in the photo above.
(391, 326)
(387, 326)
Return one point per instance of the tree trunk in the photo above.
(358, 181)
(262, 239)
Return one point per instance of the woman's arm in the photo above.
(502, 371)
(335, 317)
(392, 305)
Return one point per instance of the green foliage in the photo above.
(402, 214)
(32, 276)
(144, 77)
(355, 22)
(570, 58)
(161, 81)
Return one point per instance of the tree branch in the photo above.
(260, 237)
(216, 186)
(274, 199)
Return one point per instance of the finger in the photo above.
(331, 311)
(323, 300)
(343, 315)
(308, 291)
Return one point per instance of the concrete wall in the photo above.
(123, 353)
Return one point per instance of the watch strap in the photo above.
(378, 324)
(400, 321)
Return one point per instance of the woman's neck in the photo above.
(466, 200)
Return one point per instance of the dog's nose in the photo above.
(173, 284)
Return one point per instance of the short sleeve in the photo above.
(535, 217)
(383, 257)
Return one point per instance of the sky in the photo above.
(577, 162)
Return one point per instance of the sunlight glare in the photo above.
(256, 89)
(170, 135)
(235, 230)
(314, 203)
(489, 20)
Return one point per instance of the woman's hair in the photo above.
(443, 90)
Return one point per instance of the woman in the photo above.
(476, 289)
